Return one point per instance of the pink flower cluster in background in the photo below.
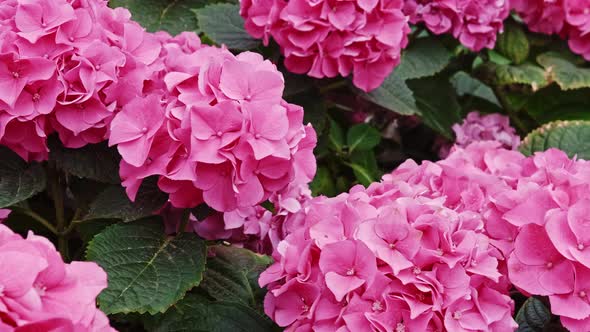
(475, 23)
(487, 127)
(66, 67)
(214, 127)
(408, 254)
(568, 18)
(39, 292)
(327, 38)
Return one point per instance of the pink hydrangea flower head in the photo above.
(410, 252)
(68, 67)
(475, 23)
(327, 38)
(214, 127)
(42, 292)
(487, 127)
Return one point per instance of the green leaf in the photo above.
(196, 313)
(362, 137)
(336, 136)
(552, 103)
(527, 74)
(498, 58)
(466, 85)
(395, 95)
(566, 74)
(438, 104)
(364, 166)
(173, 16)
(572, 137)
(322, 183)
(533, 316)
(148, 271)
(19, 180)
(424, 57)
(232, 275)
(513, 42)
(96, 161)
(113, 202)
(223, 24)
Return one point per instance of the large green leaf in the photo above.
(395, 95)
(113, 202)
(533, 316)
(527, 74)
(19, 180)
(572, 137)
(223, 24)
(196, 313)
(565, 73)
(323, 183)
(362, 137)
(174, 16)
(148, 271)
(466, 85)
(96, 161)
(552, 103)
(513, 42)
(438, 104)
(232, 275)
(364, 166)
(424, 57)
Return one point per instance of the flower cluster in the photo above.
(66, 67)
(550, 208)
(214, 128)
(568, 18)
(488, 127)
(326, 38)
(409, 253)
(39, 292)
(474, 22)
(4, 214)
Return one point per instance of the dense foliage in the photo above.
(298, 165)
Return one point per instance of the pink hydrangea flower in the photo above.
(330, 38)
(569, 19)
(67, 67)
(487, 127)
(42, 293)
(215, 129)
(474, 22)
(409, 253)
(4, 213)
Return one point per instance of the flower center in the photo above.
(40, 289)
(144, 130)
(416, 270)
(36, 97)
(350, 272)
(219, 133)
(456, 315)
(257, 136)
(400, 327)
(377, 306)
(580, 246)
(15, 74)
(549, 265)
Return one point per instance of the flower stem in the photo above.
(57, 191)
(35, 217)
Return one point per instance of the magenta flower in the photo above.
(327, 39)
(15, 74)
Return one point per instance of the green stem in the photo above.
(512, 113)
(333, 86)
(35, 217)
(57, 190)
(186, 214)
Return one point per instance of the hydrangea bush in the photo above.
(296, 165)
